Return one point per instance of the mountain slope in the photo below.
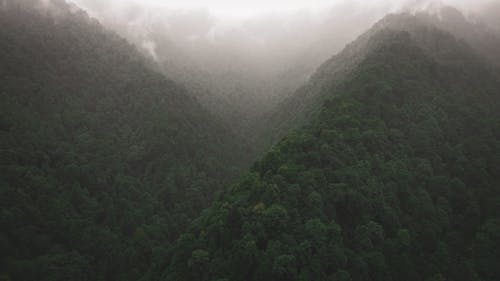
(103, 161)
(396, 178)
(299, 108)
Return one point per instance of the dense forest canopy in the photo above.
(103, 160)
(396, 178)
(305, 102)
(381, 164)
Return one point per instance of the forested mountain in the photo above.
(240, 93)
(241, 67)
(301, 106)
(103, 161)
(395, 178)
(386, 163)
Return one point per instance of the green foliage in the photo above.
(103, 161)
(395, 179)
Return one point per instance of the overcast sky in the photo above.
(262, 32)
(247, 8)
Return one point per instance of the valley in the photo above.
(359, 152)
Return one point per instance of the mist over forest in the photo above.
(228, 140)
(251, 59)
(262, 43)
(260, 37)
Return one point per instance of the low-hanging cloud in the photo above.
(266, 40)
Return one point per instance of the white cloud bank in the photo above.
(260, 34)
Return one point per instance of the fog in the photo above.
(265, 34)
(251, 54)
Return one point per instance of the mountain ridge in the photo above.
(104, 161)
(385, 183)
(306, 99)
(106, 166)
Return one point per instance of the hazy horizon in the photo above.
(267, 37)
